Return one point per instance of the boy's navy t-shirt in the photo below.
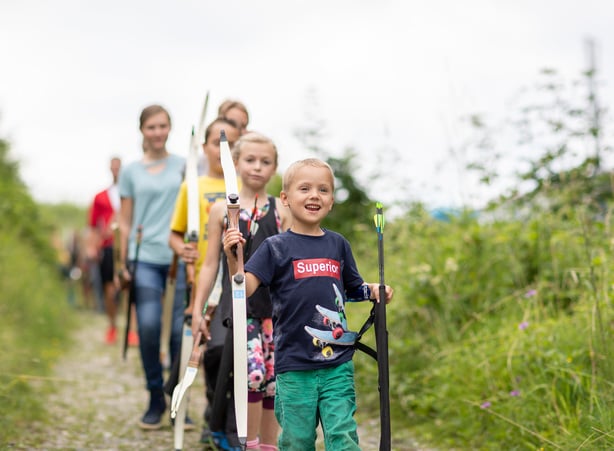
(300, 271)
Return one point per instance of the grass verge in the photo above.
(35, 325)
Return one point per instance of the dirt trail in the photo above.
(99, 399)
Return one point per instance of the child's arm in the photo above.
(368, 292)
(374, 287)
(208, 272)
(232, 238)
(187, 251)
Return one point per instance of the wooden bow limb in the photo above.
(190, 349)
(239, 301)
(187, 378)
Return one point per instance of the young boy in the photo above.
(306, 269)
(210, 189)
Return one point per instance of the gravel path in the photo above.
(98, 399)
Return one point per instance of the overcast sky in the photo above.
(389, 78)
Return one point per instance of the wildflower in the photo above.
(485, 405)
(421, 272)
(451, 265)
(523, 325)
(530, 293)
(420, 269)
(569, 359)
(515, 393)
(436, 280)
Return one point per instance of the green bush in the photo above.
(499, 331)
(34, 316)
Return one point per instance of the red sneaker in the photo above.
(111, 337)
(133, 338)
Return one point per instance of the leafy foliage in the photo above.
(18, 212)
(502, 324)
(559, 129)
(500, 332)
(34, 314)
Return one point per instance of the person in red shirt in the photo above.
(102, 222)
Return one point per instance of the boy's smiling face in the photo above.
(310, 197)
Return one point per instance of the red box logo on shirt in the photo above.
(316, 267)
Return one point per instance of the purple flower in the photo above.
(485, 405)
(530, 293)
(514, 393)
(523, 325)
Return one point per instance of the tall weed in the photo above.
(35, 319)
(500, 331)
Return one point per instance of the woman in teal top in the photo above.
(148, 189)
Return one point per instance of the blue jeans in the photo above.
(150, 281)
(326, 395)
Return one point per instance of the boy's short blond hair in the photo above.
(252, 137)
(294, 167)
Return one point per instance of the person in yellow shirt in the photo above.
(211, 188)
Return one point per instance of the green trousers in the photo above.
(305, 397)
